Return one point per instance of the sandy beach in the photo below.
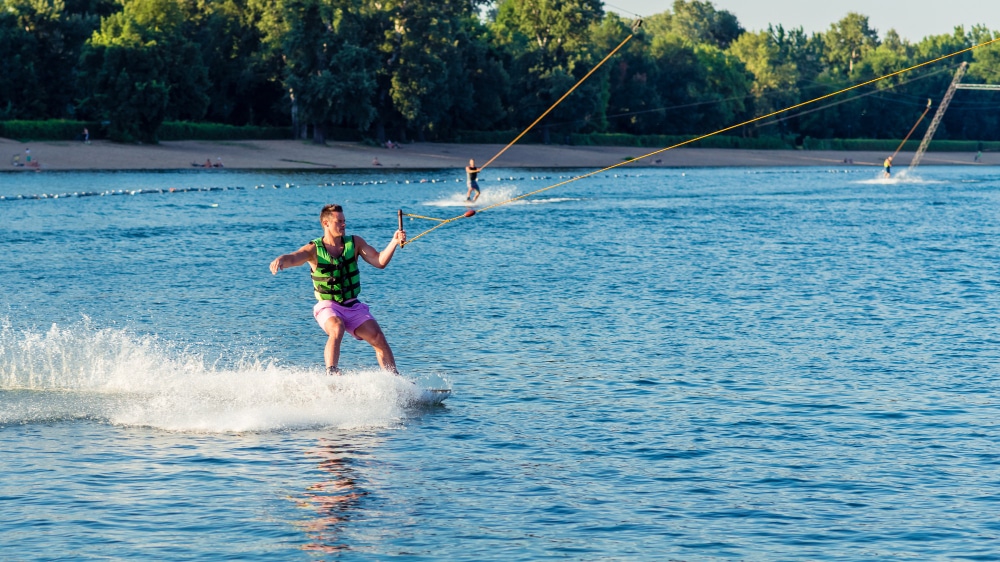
(289, 154)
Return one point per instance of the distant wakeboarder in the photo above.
(472, 173)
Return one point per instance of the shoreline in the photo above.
(303, 155)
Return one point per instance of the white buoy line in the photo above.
(112, 192)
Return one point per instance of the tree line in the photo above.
(431, 69)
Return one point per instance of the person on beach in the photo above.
(472, 173)
(29, 162)
(333, 259)
(887, 166)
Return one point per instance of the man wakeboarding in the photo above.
(472, 175)
(333, 259)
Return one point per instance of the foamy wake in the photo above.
(84, 372)
(494, 195)
(490, 195)
(901, 178)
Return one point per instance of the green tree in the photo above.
(21, 89)
(847, 41)
(141, 68)
(483, 83)
(700, 23)
(702, 87)
(329, 74)
(775, 75)
(54, 35)
(891, 55)
(268, 19)
(635, 105)
(657, 25)
(243, 85)
(887, 116)
(423, 61)
(559, 27)
(552, 50)
(984, 123)
(986, 60)
(726, 84)
(957, 118)
(934, 46)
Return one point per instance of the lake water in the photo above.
(689, 364)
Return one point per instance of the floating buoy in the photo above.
(470, 212)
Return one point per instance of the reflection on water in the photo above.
(333, 500)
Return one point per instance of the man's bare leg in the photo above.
(371, 332)
(334, 328)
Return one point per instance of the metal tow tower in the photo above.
(937, 116)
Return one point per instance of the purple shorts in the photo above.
(353, 316)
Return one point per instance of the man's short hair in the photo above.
(329, 210)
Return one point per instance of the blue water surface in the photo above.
(767, 363)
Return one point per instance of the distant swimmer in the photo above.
(472, 172)
(333, 259)
(887, 165)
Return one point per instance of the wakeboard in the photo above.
(433, 396)
(415, 395)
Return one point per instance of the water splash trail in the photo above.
(117, 377)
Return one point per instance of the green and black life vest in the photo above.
(336, 279)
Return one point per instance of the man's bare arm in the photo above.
(305, 254)
(376, 258)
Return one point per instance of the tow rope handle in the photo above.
(401, 244)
